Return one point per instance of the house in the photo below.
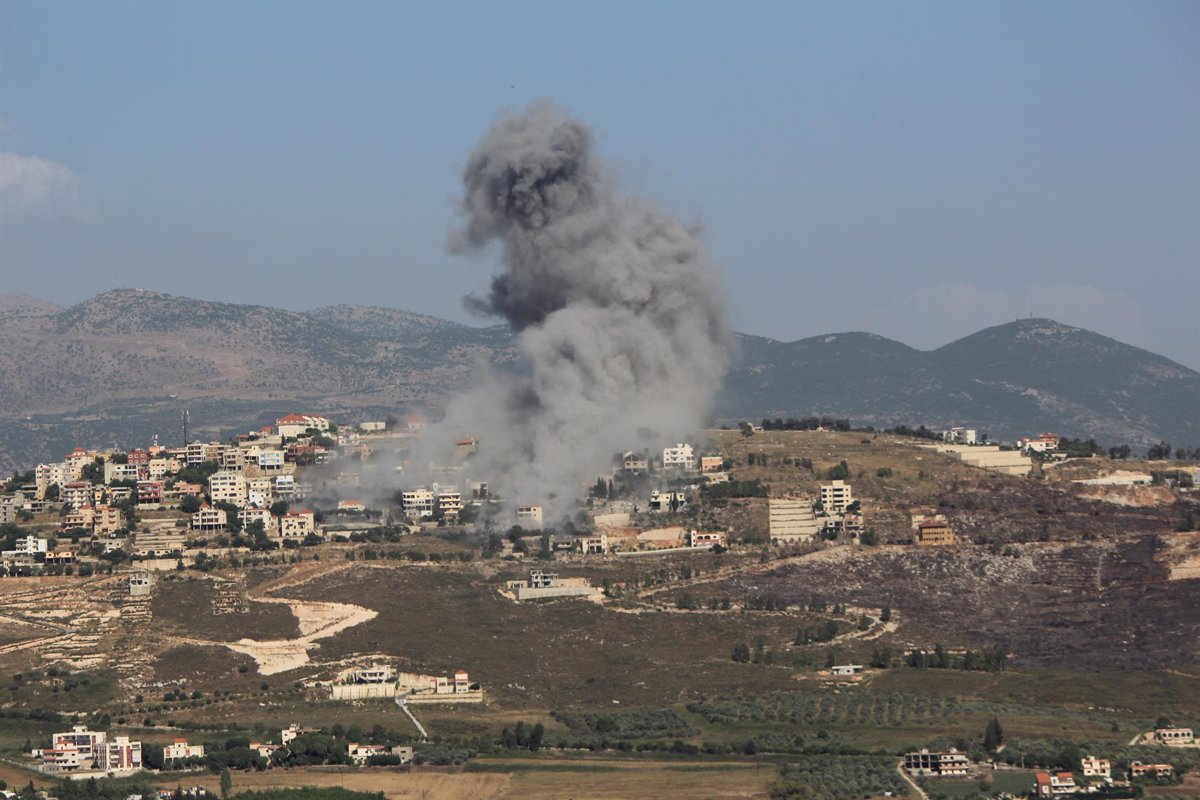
(1093, 767)
(76, 494)
(292, 731)
(353, 504)
(449, 503)
(593, 545)
(294, 425)
(950, 762)
(547, 584)
(682, 457)
(297, 524)
(846, 670)
(668, 501)
(836, 497)
(150, 492)
(248, 516)
(227, 486)
(1174, 736)
(711, 464)
(792, 521)
(529, 516)
(935, 533)
(360, 753)
(372, 427)
(1139, 770)
(1042, 790)
(1043, 443)
(260, 492)
(418, 503)
(634, 463)
(106, 520)
(1062, 783)
(180, 749)
(60, 557)
(140, 584)
(209, 519)
(960, 436)
(707, 540)
(415, 423)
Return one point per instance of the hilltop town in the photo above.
(888, 595)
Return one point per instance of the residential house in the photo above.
(119, 754)
(180, 750)
(634, 463)
(227, 486)
(935, 533)
(668, 501)
(360, 753)
(209, 519)
(682, 457)
(76, 494)
(706, 540)
(354, 504)
(417, 503)
(298, 424)
(836, 497)
(1174, 736)
(529, 516)
(711, 463)
(1043, 443)
(297, 524)
(1093, 767)
(150, 492)
(1139, 770)
(949, 762)
(593, 545)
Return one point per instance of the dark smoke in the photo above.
(621, 325)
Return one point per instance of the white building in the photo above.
(1096, 767)
(960, 436)
(180, 749)
(297, 524)
(417, 503)
(681, 456)
(297, 424)
(529, 516)
(227, 486)
(836, 496)
(209, 519)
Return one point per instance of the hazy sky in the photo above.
(918, 170)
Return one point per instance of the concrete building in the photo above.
(667, 501)
(1042, 443)
(680, 457)
(1139, 770)
(792, 521)
(706, 540)
(989, 457)
(960, 436)
(593, 545)
(294, 425)
(140, 584)
(529, 516)
(950, 762)
(361, 753)
(417, 503)
(227, 486)
(297, 524)
(836, 497)
(711, 464)
(1093, 767)
(934, 533)
(846, 670)
(1174, 736)
(180, 750)
(542, 585)
(209, 520)
(634, 463)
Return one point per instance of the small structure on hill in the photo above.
(935, 533)
(541, 584)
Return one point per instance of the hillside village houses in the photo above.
(84, 750)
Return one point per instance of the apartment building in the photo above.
(924, 762)
(417, 503)
(836, 497)
(297, 524)
(180, 749)
(227, 486)
(682, 456)
(209, 519)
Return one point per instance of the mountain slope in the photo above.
(124, 363)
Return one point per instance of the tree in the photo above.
(190, 504)
(885, 614)
(741, 653)
(746, 428)
(226, 783)
(993, 735)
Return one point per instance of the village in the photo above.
(305, 491)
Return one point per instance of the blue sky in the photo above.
(918, 170)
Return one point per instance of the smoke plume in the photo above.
(620, 323)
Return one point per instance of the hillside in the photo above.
(1021, 377)
(121, 366)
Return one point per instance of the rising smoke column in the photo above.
(619, 317)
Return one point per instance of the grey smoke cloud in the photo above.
(620, 318)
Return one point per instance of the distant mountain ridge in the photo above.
(122, 363)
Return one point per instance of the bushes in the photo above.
(838, 778)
